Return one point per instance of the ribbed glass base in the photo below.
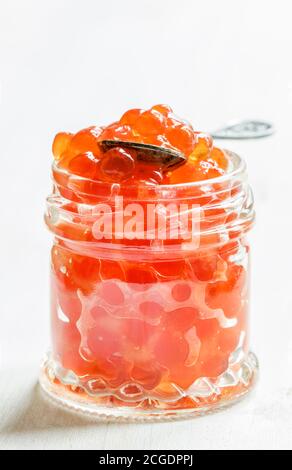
(126, 403)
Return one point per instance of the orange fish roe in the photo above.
(148, 324)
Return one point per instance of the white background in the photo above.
(69, 64)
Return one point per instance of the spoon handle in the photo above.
(247, 129)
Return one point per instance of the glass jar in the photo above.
(149, 319)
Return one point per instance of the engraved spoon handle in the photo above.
(247, 129)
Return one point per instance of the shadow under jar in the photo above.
(151, 327)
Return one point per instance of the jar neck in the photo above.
(185, 217)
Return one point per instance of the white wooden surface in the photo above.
(67, 64)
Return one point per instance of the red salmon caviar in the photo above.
(149, 123)
(162, 108)
(130, 117)
(181, 137)
(194, 171)
(203, 147)
(219, 156)
(155, 126)
(117, 165)
(84, 164)
(85, 141)
(146, 317)
(60, 144)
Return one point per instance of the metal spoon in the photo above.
(149, 153)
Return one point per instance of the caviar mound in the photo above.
(83, 154)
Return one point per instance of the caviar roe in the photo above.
(156, 126)
(149, 326)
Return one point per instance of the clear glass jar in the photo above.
(150, 326)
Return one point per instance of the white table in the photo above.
(56, 73)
